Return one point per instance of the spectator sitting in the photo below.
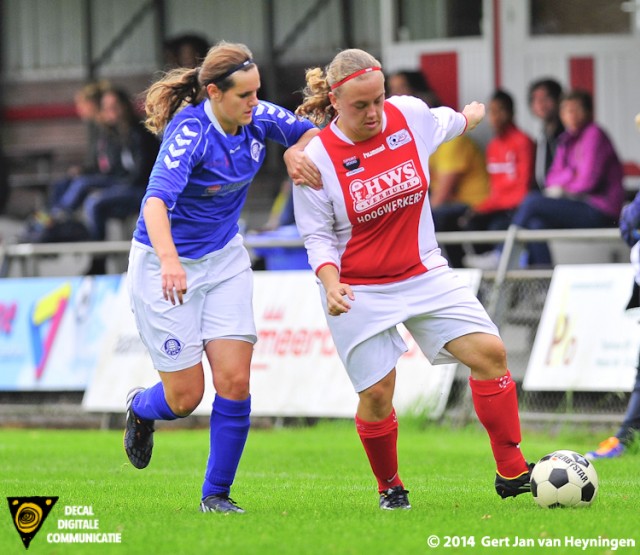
(122, 155)
(510, 159)
(87, 103)
(41, 227)
(130, 151)
(584, 184)
(544, 102)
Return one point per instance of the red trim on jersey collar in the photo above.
(355, 74)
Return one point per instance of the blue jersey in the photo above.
(203, 175)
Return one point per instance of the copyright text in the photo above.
(517, 541)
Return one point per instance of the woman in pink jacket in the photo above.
(584, 184)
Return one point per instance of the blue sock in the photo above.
(151, 404)
(631, 422)
(228, 434)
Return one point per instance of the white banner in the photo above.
(295, 370)
(585, 341)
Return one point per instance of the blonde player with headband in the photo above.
(189, 274)
(370, 239)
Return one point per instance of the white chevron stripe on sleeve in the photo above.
(170, 163)
(188, 132)
(181, 141)
(176, 151)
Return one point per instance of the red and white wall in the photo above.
(507, 56)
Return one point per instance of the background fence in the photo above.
(514, 297)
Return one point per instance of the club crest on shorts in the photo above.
(172, 346)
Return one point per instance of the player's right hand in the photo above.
(336, 302)
(174, 281)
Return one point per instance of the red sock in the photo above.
(380, 441)
(496, 404)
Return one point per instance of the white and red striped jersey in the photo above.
(372, 218)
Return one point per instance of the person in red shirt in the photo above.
(510, 163)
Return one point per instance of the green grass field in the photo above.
(306, 491)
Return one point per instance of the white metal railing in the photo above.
(30, 254)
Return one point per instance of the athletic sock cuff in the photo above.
(229, 407)
(486, 388)
(377, 429)
(151, 404)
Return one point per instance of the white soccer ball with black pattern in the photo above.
(564, 479)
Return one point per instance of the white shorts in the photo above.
(218, 303)
(435, 307)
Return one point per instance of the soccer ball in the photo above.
(564, 479)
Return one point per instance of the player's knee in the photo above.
(234, 387)
(497, 355)
(491, 361)
(184, 403)
(377, 397)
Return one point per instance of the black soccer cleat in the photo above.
(511, 487)
(138, 434)
(394, 498)
(219, 504)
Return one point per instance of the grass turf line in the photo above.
(306, 491)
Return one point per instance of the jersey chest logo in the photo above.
(380, 176)
(256, 150)
(367, 194)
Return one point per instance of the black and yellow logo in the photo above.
(29, 513)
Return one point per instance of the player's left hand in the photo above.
(301, 169)
(474, 113)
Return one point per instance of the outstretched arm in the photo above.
(474, 113)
